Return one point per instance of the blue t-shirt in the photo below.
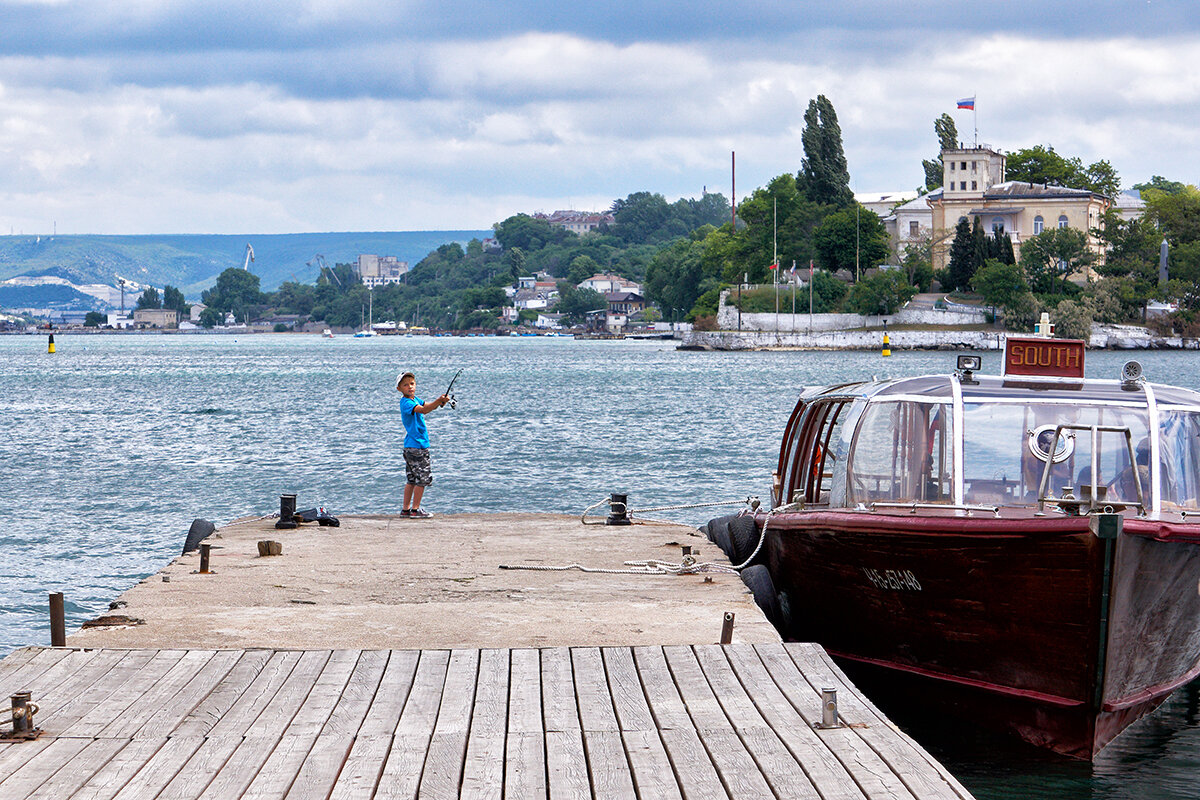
(415, 434)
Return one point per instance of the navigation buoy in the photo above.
(887, 351)
(51, 347)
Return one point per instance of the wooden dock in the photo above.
(701, 721)
(441, 674)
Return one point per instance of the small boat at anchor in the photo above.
(1023, 549)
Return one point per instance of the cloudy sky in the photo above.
(212, 116)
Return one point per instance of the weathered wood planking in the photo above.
(700, 721)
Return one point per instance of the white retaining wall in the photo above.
(785, 321)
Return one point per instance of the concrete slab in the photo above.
(389, 582)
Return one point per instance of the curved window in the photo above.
(1062, 221)
(1039, 224)
(902, 454)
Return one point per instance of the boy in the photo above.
(416, 444)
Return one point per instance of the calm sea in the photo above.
(113, 445)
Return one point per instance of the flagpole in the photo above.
(810, 283)
(793, 296)
(775, 261)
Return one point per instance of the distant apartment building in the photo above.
(155, 318)
(579, 222)
(377, 270)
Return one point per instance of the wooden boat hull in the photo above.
(1033, 625)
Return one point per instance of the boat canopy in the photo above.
(984, 441)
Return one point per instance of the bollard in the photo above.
(829, 711)
(204, 551)
(58, 624)
(22, 717)
(687, 549)
(617, 508)
(727, 629)
(287, 511)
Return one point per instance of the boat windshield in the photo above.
(902, 453)
(1006, 448)
(1179, 457)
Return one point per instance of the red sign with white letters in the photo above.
(1049, 358)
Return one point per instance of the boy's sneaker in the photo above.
(404, 512)
(420, 513)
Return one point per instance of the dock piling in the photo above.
(58, 624)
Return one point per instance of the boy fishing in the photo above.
(416, 444)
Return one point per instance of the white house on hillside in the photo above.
(608, 284)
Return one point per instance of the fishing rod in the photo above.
(453, 399)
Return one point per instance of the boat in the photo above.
(327, 334)
(1022, 550)
(368, 326)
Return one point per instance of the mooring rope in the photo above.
(624, 508)
(689, 566)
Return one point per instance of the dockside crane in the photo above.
(249, 257)
(318, 261)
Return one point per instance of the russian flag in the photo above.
(967, 102)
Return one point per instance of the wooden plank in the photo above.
(124, 697)
(278, 772)
(160, 769)
(648, 761)
(278, 714)
(864, 765)
(448, 746)
(246, 673)
(774, 760)
(363, 768)
(734, 764)
(161, 696)
(87, 686)
(920, 772)
(608, 765)
(661, 693)
(21, 669)
(93, 758)
(242, 766)
(240, 704)
(321, 766)
(324, 696)
(818, 763)
(525, 765)
(591, 691)
(193, 778)
(697, 774)
(392, 694)
(401, 774)
(187, 697)
(41, 767)
(525, 748)
(566, 765)
(120, 769)
(560, 710)
(483, 767)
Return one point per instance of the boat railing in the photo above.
(1094, 500)
(914, 507)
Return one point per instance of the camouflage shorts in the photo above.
(416, 463)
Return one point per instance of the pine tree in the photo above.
(961, 253)
(979, 250)
(947, 134)
(823, 170)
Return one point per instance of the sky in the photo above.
(213, 116)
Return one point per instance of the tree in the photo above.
(94, 319)
(1050, 257)
(917, 261)
(1072, 320)
(581, 269)
(172, 298)
(149, 299)
(211, 317)
(947, 133)
(962, 254)
(881, 293)
(1000, 284)
(853, 238)
(828, 292)
(979, 248)
(779, 218)
(575, 303)
(1040, 164)
(674, 278)
(1159, 183)
(236, 291)
(824, 174)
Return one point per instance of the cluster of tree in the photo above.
(171, 298)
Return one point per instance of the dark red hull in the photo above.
(1032, 625)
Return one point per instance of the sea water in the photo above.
(111, 446)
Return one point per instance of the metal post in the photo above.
(58, 624)
(204, 551)
(727, 628)
(829, 709)
(22, 716)
(617, 510)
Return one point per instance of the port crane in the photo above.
(318, 261)
(249, 257)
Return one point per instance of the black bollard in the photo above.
(618, 510)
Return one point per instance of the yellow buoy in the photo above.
(51, 349)
(887, 351)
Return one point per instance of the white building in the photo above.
(610, 284)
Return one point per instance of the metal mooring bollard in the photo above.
(618, 510)
(829, 711)
(204, 551)
(22, 717)
(727, 629)
(58, 622)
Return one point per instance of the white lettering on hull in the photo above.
(900, 580)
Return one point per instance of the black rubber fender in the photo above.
(758, 581)
(717, 531)
(743, 537)
(200, 530)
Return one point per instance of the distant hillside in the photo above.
(193, 262)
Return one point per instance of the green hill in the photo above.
(193, 262)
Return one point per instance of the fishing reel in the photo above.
(453, 401)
